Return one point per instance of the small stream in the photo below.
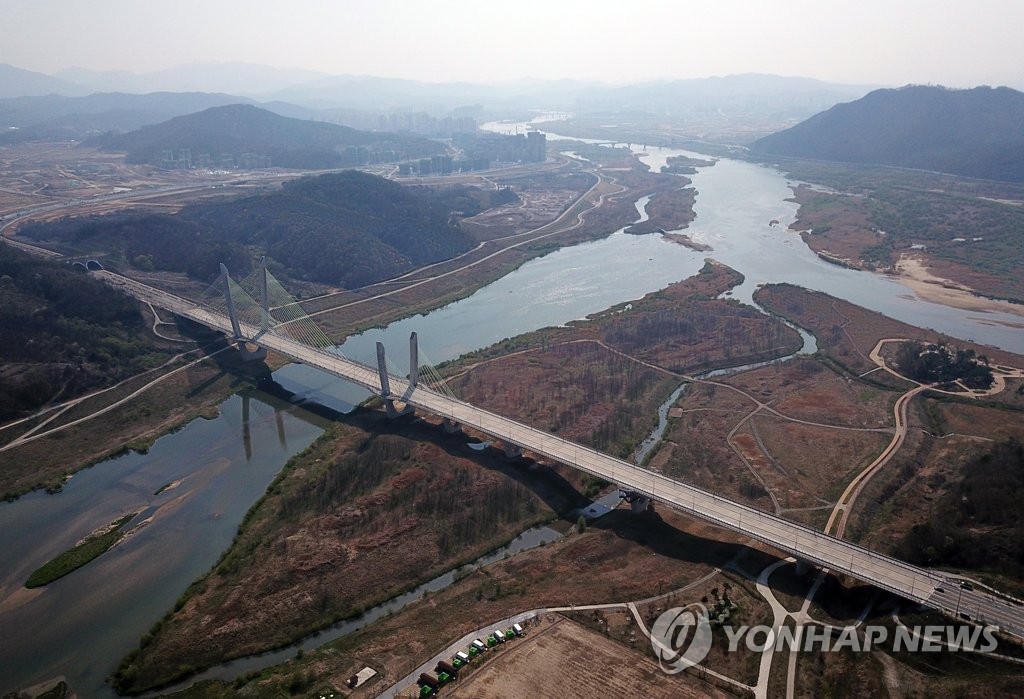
(810, 346)
(529, 539)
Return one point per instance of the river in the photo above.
(80, 626)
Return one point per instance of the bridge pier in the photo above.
(256, 353)
(414, 360)
(638, 502)
(393, 411)
(264, 297)
(803, 567)
(382, 371)
(513, 451)
(230, 302)
(451, 426)
(385, 387)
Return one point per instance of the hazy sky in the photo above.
(961, 43)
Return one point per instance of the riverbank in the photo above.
(916, 273)
(951, 240)
(362, 505)
(131, 417)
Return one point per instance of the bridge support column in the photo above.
(253, 353)
(414, 360)
(385, 386)
(513, 451)
(232, 313)
(264, 297)
(382, 371)
(638, 502)
(451, 426)
(802, 567)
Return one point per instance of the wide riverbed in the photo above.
(81, 625)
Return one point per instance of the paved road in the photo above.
(911, 582)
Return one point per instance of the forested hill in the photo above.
(230, 132)
(64, 333)
(347, 229)
(975, 132)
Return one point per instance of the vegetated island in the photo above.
(92, 546)
(684, 165)
(686, 241)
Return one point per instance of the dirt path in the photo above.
(32, 434)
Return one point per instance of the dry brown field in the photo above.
(568, 660)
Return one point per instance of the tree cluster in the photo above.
(63, 333)
(941, 364)
(347, 229)
(977, 524)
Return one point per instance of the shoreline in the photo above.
(913, 273)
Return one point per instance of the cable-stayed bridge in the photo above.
(258, 311)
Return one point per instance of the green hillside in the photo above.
(233, 131)
(346, 229)
(64, 333)
(977, 133)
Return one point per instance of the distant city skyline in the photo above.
(870, 42)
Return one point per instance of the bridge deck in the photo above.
(905, 580)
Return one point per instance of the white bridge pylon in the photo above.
(276, 311)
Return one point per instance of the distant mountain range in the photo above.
(234, 77)
(18, 82)
(56, 117)
(231, 131)
(757, 94)
(977, 132)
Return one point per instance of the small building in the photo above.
(360, 678)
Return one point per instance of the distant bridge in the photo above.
(233, 309)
